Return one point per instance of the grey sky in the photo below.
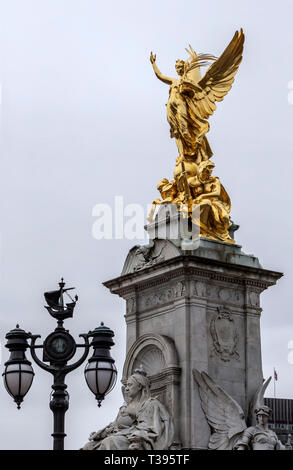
(82, 120)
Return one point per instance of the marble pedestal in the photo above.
(196, 308)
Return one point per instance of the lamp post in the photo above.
(58, 349)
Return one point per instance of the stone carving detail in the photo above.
(176, 291)
(198, 289)
(131, 305)
(151, 359)
(253, 298)
(179, 289)
(226, 418)
(148, 255)
(142, 423)
(140, 257)
(236, 295)
(224, 335)
(224, 294)
(212, 291)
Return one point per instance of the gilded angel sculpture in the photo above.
(225, 416)
(192, 98)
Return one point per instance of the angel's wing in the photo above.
(224, 415)
(257, 402)
(219, 77)
(193, 64)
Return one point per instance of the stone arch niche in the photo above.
(158, 356)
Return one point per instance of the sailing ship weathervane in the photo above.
(56, 306)
(192, 100)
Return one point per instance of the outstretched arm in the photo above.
(161, 77)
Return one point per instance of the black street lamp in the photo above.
(58, 348)
(19, 374)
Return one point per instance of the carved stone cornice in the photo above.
(193, 267)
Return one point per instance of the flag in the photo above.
(275, 375)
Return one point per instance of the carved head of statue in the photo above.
(162, 183)
(167, 189)
(138, 386)
(179, 66)
(205, 170)
(263, 414)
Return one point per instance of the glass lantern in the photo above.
(18, 374)
(100, 372)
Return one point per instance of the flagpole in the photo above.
(274, 410)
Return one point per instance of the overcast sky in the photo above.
(82, 121)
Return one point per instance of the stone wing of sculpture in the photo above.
(224, 415)
(219, 77)
(257, 402)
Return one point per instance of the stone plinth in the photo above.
(190, 309)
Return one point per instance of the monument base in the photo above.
(191, 309)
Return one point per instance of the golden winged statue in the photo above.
(192, 100)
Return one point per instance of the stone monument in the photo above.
(192, 295)
(190, 310)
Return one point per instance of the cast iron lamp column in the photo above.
(58, 348)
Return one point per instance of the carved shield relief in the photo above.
(224, 335)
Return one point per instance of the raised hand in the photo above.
(161, 77)
(153, 58)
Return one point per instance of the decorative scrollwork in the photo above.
(224, 335)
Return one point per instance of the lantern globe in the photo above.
(100, 376)
(100, 372)
(18, 374)
(18, 378)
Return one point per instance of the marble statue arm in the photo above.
(244, 440)
(102, 433)
(224, 415)
(158, 74)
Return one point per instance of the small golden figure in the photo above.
(168, 191)
(214, 204)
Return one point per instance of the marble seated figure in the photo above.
(142, 423)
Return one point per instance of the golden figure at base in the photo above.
(191, 102)
(214, 204)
